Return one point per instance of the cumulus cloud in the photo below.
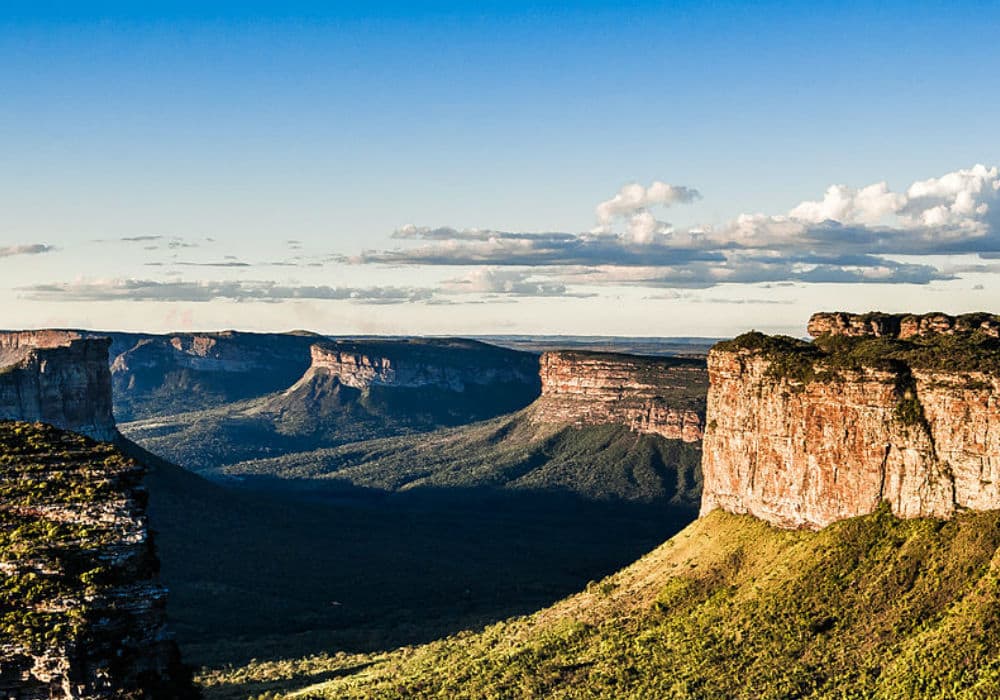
(31, 249)
(633, 203)
(847, 235)
(179, 291)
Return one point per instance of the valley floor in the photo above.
(872, 607)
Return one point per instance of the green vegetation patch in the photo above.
(872, 607)
(48, 555)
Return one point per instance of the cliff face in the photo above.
(81, 615)
(59, 378)
(901, 326)
(657, 396)
(157, 375)
(450, 365)
(802, 437)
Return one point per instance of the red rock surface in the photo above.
(802, 455)
(658, 396)
(900, 326)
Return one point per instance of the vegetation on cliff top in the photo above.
(872, 607)
(825, 356)
(52, 563)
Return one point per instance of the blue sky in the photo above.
(260, 156)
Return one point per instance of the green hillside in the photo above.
(277, 574)
(872, 607)
(606, 462)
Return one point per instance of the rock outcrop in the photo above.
(81, 613)
(801, 436)
(155, 375)
(901, 326)
(452, 365)
(57, 377)
(660, 396)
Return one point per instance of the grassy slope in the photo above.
(606, 463)
(271, 576)
(730, 607)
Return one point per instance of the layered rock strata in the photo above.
(801, 439)
(81, 613)
(57, 377)
(450, 365)
(901, 326)
(660, 396)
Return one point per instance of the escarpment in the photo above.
(803, 434)
(659, 396)
(81, 612)
(57, 377)
(164, 374)
(901, 326)
(420, 380)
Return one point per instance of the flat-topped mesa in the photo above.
(452, 365)
(660, 396)
(57, 377)
(901, 326)
(803, 434)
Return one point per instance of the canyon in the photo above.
(802, 436)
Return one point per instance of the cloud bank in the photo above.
(849, 235)
(178, 291)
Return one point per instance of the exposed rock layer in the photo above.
(804, 451)
(450, 365)
(661, 396)
(57, 377)
(900, 326)
(82, 614)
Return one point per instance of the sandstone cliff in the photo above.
(57, 377)
(660, 396)
(81, 614)
(901, 326)
(155, 375)
(899, 409)
(417, 381)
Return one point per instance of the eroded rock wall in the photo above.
(807, 453)
(81, 610)
(57, 377)
(901, 326)
(661, 396)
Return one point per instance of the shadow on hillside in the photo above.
(279, 574)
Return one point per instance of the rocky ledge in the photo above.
(57, 377)
(81, 613)
(661, 396)
(901, 326)
(803, 434)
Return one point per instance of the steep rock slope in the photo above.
(606, 427)
(658, 396)
(157, 375)
(878, 408)
(57, 377)
(872, 607)
(81, 612)
(352, 391)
